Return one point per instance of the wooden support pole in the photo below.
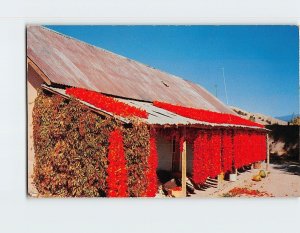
(220, 179)
(268, 153)
(183, 164)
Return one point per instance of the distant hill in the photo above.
(258, 117)
(287, 117)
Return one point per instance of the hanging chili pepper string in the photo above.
(227, 151)
(152, 166)
(116, 172)
(106, 103)
(205, 115)
(215, 153)
(200, 166)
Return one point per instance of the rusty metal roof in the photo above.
(156, 116)
(159, 116)
(67, 61)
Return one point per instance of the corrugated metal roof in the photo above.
(67, 61)
(157, 116)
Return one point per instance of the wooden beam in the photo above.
(268, 153)
(32, 65)
(220, 179)
(208, 126)
(183, 164)
(91, 107)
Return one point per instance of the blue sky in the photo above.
(260, 62)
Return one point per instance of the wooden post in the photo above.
(220, 179)
(268, 154)
(183, 165)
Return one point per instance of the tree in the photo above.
(252, 118)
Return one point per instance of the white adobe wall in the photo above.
(164, 150)
(33, 82)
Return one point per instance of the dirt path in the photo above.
(283, 181)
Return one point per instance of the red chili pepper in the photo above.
(106, 103)
(247, 192)
(205, 115)
(116, 172)
(152, 166)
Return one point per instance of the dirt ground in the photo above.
(282, 181)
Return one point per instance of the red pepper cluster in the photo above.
(259, 147)
(205, 115)
(227, 150)
(106, 103)
(201, 157)
(238, 149)
(152, 163)
(249, 147)
(207, 155)
(247, 192)
(116, 172)
(216, 151)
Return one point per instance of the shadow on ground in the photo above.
(288, 166)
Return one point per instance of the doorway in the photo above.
(175, 155)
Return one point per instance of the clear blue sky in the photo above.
(260, 62)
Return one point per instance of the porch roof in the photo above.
(157, 116)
